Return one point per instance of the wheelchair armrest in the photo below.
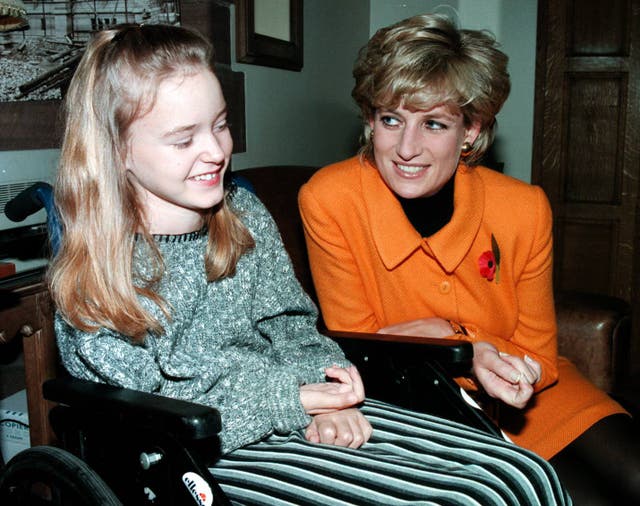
(414, 372)
(410, 350)
(186, 420)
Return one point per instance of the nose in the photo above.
(212, 150)
(409, 145)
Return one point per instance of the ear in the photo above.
(372, 121)
(128, 157)
(471, 132)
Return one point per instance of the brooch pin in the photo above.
(489, 262)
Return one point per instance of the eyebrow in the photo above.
(179, 130)
(429, 114)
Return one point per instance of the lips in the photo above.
(410, 170)
(208, 177)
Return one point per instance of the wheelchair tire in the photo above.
(45, 475)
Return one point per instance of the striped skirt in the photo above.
(411, 458)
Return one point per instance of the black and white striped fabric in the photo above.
(411, 458)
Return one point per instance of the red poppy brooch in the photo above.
(489, 262)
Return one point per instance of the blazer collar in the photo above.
(397, 242)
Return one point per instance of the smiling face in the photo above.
(417, 151)
(178, 152)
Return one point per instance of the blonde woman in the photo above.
(424, 241)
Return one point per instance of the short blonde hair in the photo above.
(425, 61)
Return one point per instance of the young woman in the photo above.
(424, 242)
(169, 282)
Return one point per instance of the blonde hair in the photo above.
(91, 278)
(425, 61)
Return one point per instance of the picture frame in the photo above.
(270, 33)
(37, 124)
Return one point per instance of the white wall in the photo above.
(513, 22)
(37, 164)
(26, 161)
(515, 122)
(307, 117)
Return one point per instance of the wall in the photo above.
(513, 22)
(29, 161)
(307, 117)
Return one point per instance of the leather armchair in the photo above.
(594, 332)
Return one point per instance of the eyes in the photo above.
(184, 144)
(221, 125)
(187, 140)
(391, 121)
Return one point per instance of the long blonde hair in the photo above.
(425, 61)
(91, 278)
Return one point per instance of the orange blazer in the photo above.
(371, 268)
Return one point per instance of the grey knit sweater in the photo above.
(244, 344)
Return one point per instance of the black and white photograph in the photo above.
(41, 41)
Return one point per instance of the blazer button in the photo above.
(445, 287)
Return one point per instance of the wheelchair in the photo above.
(119, 446)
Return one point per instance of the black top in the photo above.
(430, 214)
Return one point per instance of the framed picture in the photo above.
(35, 122)
(42, 56)
(269, 33)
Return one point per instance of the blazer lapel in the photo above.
(452, 243)
(393, 235)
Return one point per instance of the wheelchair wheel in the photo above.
(45, 475)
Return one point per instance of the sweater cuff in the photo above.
(287, 411)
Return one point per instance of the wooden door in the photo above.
(587, 139)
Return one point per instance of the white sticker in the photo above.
(199, 488)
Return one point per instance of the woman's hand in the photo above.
(423, 327)
(348, 428)
(346, 390)
(505, 377)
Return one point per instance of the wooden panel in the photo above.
(30, 125)
(211, 20)
(586, 255)
(594, 138)
(40, 358)
(598, 28)
(585, 149)
(28, 311)
(15, 313)
(233, 89)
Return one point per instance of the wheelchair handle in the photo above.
(27, 202)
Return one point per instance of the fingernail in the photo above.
(503, 354)
(516, 377)
(528, 359)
